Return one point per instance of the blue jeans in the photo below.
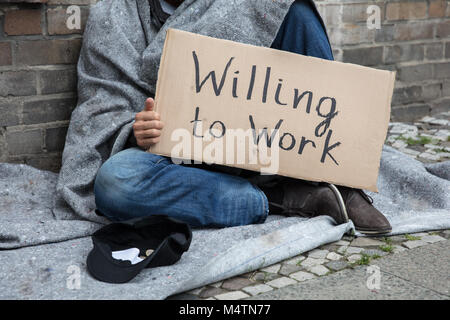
(134, 183)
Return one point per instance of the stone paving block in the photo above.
(427, 119)
(333, 256)
(257, 289)
(236, 283)
(281, 282)
(397, 248)
(196, 291)
(353, 250)
(337, 265)
(302, 276)
(374, 252)
(309, 262)
(397, 239)
(342, 249)
(429, 156)
(341, 243)
(211, 291)
(319, 270)
(414, 244)
(432, 238)
(410, 152)
(354, 258)
(233, 295)
(366, 242)
(399, 144)
(402, 128)
(264, 276)
(295, 260)
(318, 254)
(216, 284)
(287, 269)
(272, 269)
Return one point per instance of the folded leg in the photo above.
(134, 183)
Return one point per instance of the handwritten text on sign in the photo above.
(287, 141)
(323, 120)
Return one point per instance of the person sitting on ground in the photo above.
(134, 183)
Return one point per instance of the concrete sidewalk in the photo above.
(420, 273)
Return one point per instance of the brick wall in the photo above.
(38, 55)
(413, 39)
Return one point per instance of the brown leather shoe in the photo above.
(312, 199)
(366, 218)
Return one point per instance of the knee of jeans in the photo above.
(105, 177)
(111, 190)
(243, 205)
(104, 180)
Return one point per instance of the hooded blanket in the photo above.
(46, 219)
(118, 69)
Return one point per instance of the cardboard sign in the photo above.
(271, 111)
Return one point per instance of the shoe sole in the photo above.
(372, 232)
(340, 201)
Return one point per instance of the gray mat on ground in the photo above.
(42, 256)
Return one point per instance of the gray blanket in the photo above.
(46, 219)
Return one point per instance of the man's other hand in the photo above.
(147, 126)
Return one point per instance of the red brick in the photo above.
(41, 52)
(17, 83)
(351, 34)
(410, 112)
(45, 161)
(56, 81)
(24, 142)
(443, 29)
(364, 56)
(406, 10)
(5, 54)
(23, 22)
(404, 52)
(9, 115)
(413, 31)
(415, 73)
(48, 110)
(440, 106)
(437, 8)
(442, 70)
(55, 139)
(434, 51)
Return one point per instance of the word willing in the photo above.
(287, 141)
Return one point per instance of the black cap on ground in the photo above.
(167, 237)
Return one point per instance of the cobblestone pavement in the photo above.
(427, 140)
